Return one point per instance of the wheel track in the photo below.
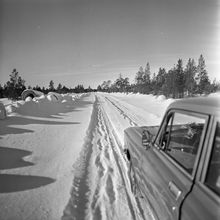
(100, 194)
(122, 112)
(117, 151)
(100, 187)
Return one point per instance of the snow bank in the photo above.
(37, 154)
(30, 93)
(54, 97)
(217, 94)
(43, 106)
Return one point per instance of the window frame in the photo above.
(206, 155)
(200, 147)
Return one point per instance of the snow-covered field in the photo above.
(62, 159)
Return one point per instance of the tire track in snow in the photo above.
(100, 186)
(111, 197)
(142, 211)
(103, 198)
(134, 115)
(122, 112)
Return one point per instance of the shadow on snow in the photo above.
(12, 158)
(14, 183)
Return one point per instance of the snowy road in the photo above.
(101, 188)
(73, 150)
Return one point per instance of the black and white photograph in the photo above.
(109, 109)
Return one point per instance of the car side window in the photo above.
(213, 174)
(162, 138)
(184, 139)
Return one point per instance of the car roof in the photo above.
(207, 104)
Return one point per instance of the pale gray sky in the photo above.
(89, 41)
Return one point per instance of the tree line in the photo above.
(13, 88)
(177, 82)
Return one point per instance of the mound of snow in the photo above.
(217, 94)
(68, 97)
(10, 108)
(161, 98)
(54, 97)
(28, 99)
(41, 99)
(30, 93)
(43, 106)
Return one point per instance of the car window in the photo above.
(213, 174)
(183, 138)
(163, 137)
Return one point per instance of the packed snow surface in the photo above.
(62, 159)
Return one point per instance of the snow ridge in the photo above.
(75, 209)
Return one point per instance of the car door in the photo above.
(203, 202)
(169, 167)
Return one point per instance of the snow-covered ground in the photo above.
(62, 159)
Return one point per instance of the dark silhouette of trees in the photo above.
(105, 86)
(159, 81)
(177, 82)
(190, 73)
(202, 77)
(121, 84)
(14, 86)
(147, 79)
(59, 88)
(139, 80)
(51, 86)
(1, 91)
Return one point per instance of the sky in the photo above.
(88, 41)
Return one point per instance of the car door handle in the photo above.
(174, 190)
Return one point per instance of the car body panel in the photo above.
(200, 204)
(172, 191)
(161, 183)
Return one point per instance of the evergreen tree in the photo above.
(59, 88)
(179, 80)
(105, 86)
(170, 86)
(139, 80)
(15, 85)
(66, 90)
(51, 86)
(1, 91)
(153, 84)
(38, 88)
(122, 84)
(99, 88)
(79, 89)
(160, 81)
(89, 89)
(189, 75)
(147, 73)
(214, 86)
(203, 85)
(146, 79)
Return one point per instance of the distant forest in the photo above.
(178, 82)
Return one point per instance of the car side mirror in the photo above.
(147, 138)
